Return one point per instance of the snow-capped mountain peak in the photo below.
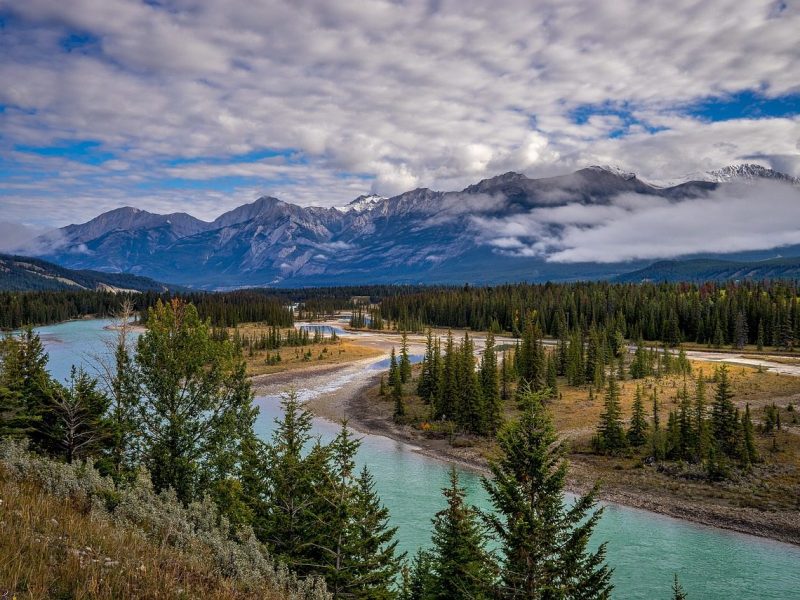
(613, 170)
(362, 203)
(746, 171)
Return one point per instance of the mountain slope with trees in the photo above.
(22, 273)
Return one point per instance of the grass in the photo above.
(50, 548)
(294, 358)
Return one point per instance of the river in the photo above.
(644, 548)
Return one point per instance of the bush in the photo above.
(162, 519)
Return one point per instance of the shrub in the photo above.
(161, 518)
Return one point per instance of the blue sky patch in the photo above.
(745, 105)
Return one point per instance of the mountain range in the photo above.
(420, 236)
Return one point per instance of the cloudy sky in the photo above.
(201, 106)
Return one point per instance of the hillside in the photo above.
(698, 270)
(21, 273)
(69, 533)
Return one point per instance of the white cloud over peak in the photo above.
(734, 218)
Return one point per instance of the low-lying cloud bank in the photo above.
(739, 217)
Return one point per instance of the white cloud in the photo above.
(388, 95)
(733, 218)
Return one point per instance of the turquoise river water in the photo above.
(644, 548)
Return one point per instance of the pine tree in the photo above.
(610, 433)
(76, 426)
(637, 434)
(469, 412)
(543, 545)
(375, 562)
(677, 590)
(686, 442)
(405, 360)
(724, 419)
(490, 388)
(749, 452)
(551, 380)
(427, 381)
(288, 520)
(700, 420)
(460, 565)
(394, 371)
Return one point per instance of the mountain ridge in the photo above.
(418, 236)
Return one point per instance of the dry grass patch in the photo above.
(51, 549)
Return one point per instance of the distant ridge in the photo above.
(22, 273)
(702, 269)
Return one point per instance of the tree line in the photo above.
(224, 309)
(759, 313)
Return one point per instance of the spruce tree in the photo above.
(119, 376)
(447, 390)
(293, 478)
(353, 542)
(490, 388)
(551, 379)
(610, 433)
(397, 397)
(637, 433)
(469, 410)
(686, 442)
(460, 565)
(700, 421)
(26, 388)
(418, 577)
(76, 426)
(677, 590)
(724, 419)
(394, 371)
(405, 360)
(544, 546)
(427, 381)
(749, 452)
(375, 562)
(506, 378)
